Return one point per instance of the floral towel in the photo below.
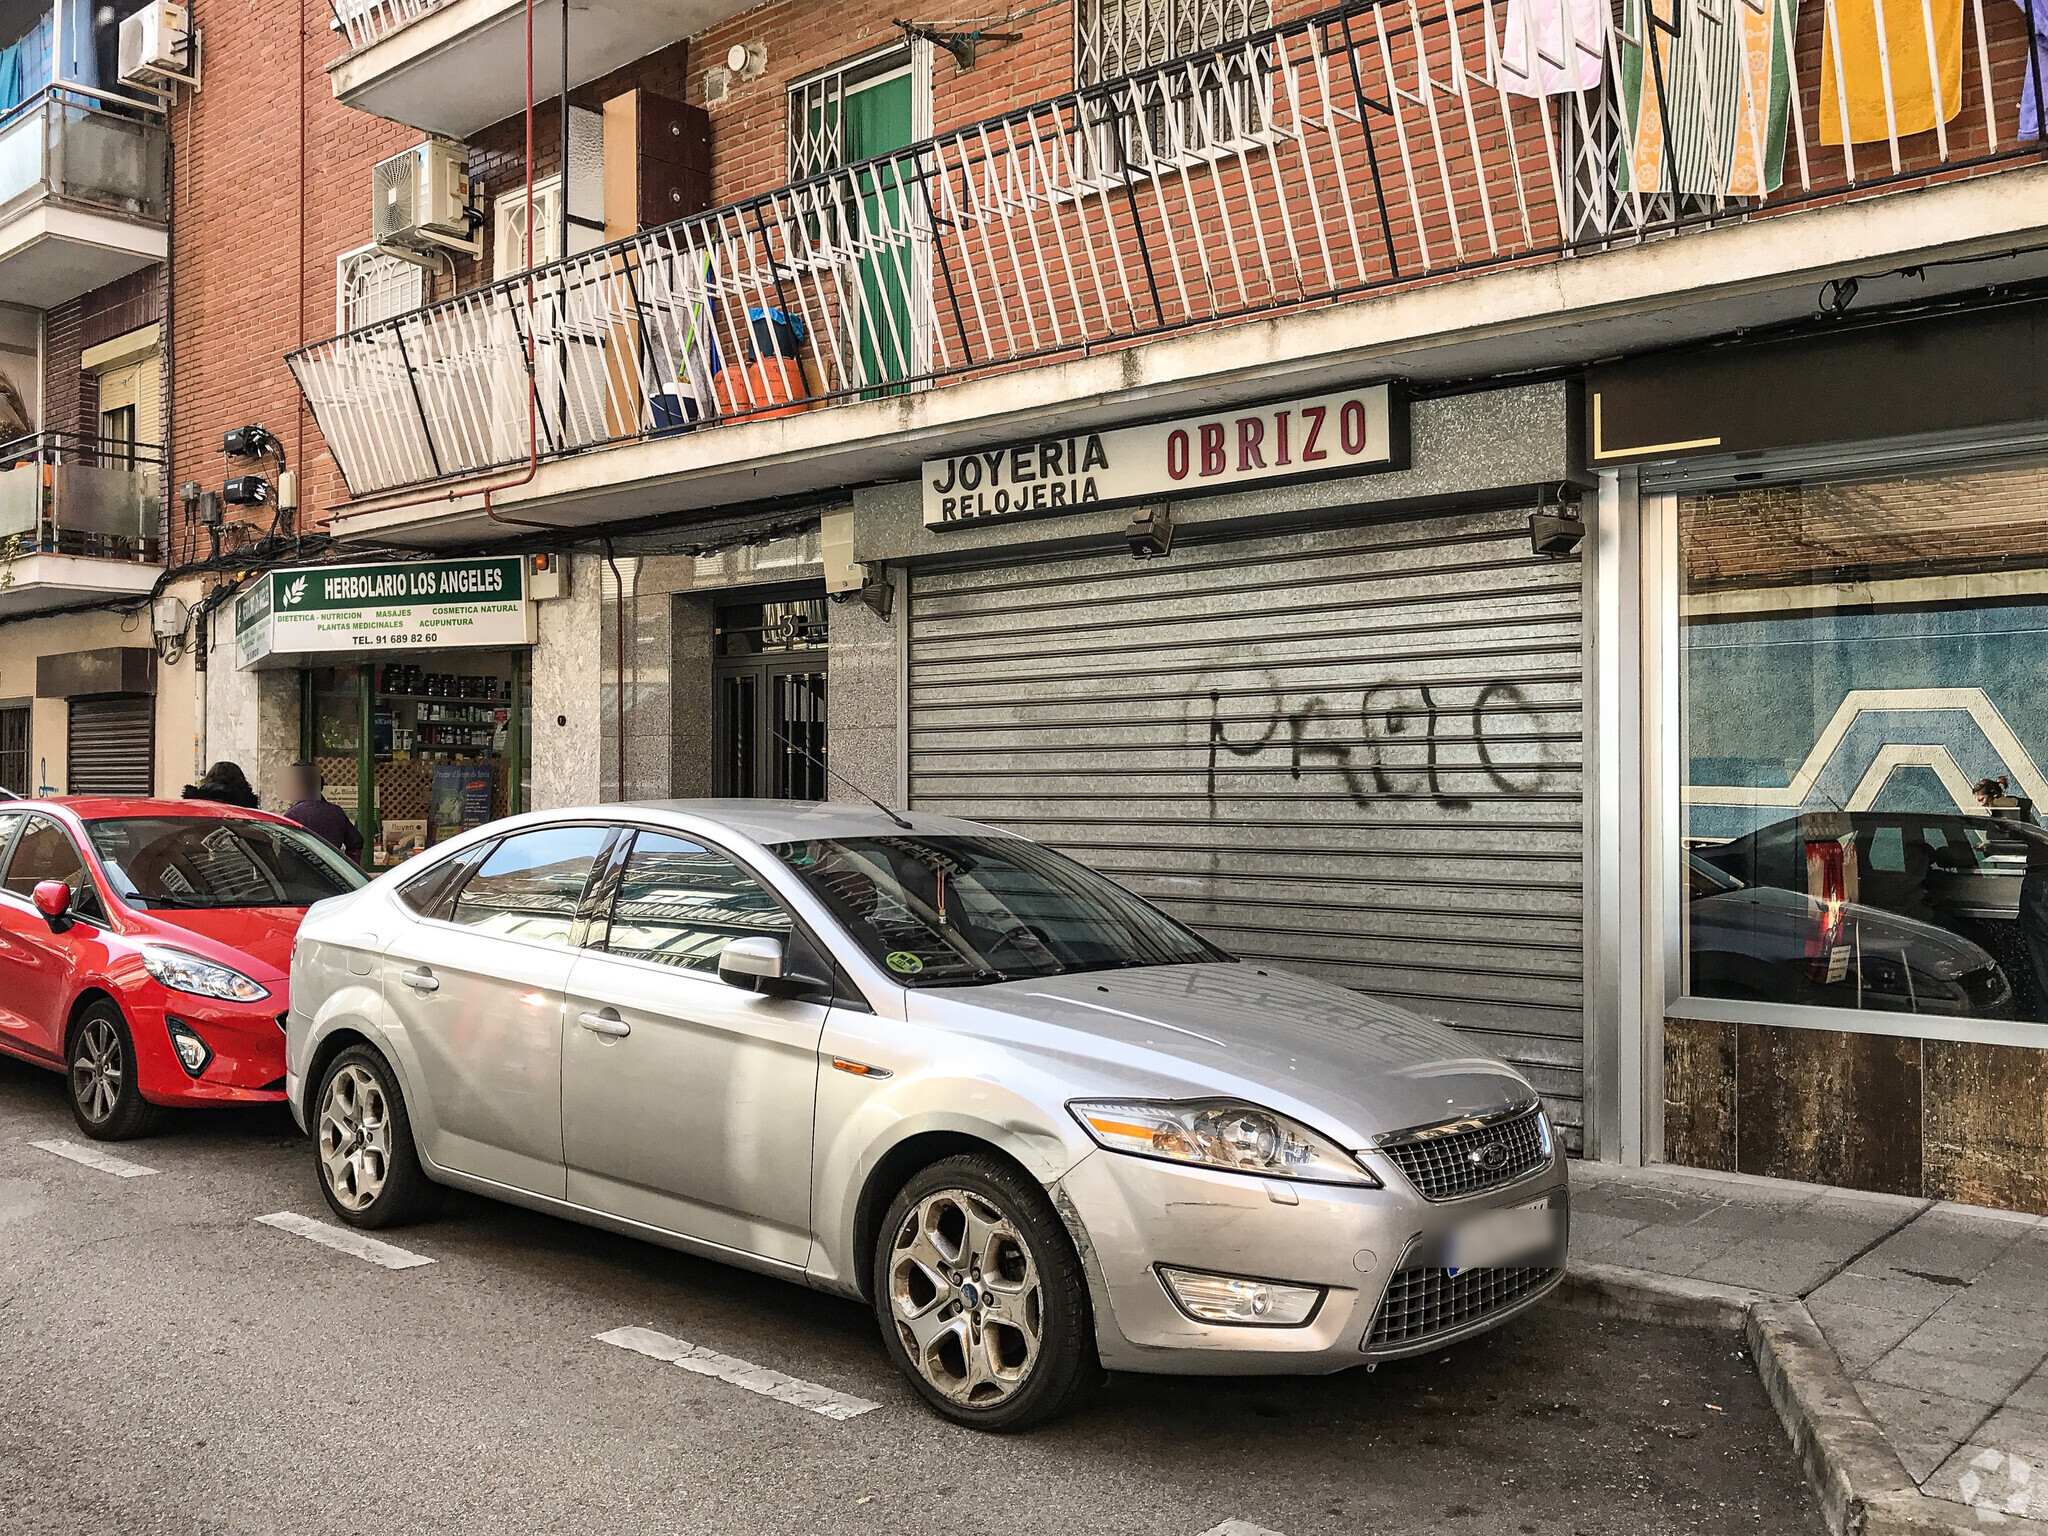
(1706, 88)
(1922, 93)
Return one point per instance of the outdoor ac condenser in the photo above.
(420, 199)
(156, 44)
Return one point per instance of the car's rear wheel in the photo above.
(99, 1068)
(981, 1297)
(362, 1144)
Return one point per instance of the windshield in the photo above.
(201, 861)
(943, 911)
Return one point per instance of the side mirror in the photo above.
(755, 964)
(52, 898)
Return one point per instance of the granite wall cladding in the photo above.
(1937, 1119)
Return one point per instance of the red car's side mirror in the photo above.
(53, 900)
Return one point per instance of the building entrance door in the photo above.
(768, 699)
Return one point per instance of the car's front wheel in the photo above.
(362, 1144)
(981, 1298)
(99, 1067)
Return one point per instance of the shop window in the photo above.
(1866, 743)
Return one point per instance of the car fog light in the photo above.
(193, 1052)
(1235, 1299)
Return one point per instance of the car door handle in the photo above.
(608, 1024)
(421, 980)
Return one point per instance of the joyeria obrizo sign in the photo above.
(1352, 432)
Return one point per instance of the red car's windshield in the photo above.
(201, 861)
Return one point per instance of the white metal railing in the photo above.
(364, 22)
(1370, 145)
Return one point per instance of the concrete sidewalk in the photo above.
(1937, 1312)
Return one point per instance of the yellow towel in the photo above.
(1853, 24)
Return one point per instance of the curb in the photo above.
(1862, 1486)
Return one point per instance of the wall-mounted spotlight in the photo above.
(1150, 531)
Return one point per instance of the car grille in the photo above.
(1423, 1303)
(1446, 1163)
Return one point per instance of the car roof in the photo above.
(102, 807)
(786, 821)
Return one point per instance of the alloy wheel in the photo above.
(965, 1297)
(97, 1070)
(355, 1137)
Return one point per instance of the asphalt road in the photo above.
(169, 1364)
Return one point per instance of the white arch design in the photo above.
(1998, 735)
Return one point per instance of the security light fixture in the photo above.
(1150, 532)
(1553, 533)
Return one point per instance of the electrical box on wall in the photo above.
(835, 534)
(547, 576)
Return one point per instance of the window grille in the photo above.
(371, 284)
(508, 227)
(1219, 106)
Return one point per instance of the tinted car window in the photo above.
(940, 911)
(679, 901)
(203, 862)
(46, 852)
(530, 886)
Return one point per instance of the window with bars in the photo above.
(1216, 106)
(371, 284)
(508, 227)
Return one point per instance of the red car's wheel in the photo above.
(99, 1060)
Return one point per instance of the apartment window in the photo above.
(1218, 106)
(1866, 743)
(371, 284)
(508, 227)
(14, 752)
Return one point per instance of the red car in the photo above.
(145, 947)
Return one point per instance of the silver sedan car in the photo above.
(1041, 1127)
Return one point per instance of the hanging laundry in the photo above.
(2035, 69)
(25, 66)
(1885, 43)
(1706, 110)
(1551, 47)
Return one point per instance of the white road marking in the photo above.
(755, 1378)
(1238, 1528)
(92, 1157)
(342, 1240)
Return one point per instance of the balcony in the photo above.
(78, 521)
(81, 194)
(1372, 153)
(453, 66)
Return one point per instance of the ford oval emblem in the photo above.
(1492, 1157)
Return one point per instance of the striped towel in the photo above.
(1719, 120)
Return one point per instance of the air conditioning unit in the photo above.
(420, 200)
(156, 44)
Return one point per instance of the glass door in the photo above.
(769, 700)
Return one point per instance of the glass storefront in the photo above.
(1864, 728)
(446, 745)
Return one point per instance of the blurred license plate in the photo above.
(1503, 1237)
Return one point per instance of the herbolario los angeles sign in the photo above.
(333, 608)
(1352, 432)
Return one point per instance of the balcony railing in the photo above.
(83, 147)
(1372, 145)
(61, 493)
(364, 22)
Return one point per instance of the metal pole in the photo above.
(366, 763)
(562, 244)
(515, 740)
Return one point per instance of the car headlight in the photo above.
(1219, 1133)
(182, 972)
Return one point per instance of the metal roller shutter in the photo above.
(1353, 751)
(112, 745)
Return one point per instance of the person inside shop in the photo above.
(225, 783)
(311, 809)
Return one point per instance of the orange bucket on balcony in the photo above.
(767, 386)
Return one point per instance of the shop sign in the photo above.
(335, 608)
(1351, 432)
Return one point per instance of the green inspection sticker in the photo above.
(903, 960)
